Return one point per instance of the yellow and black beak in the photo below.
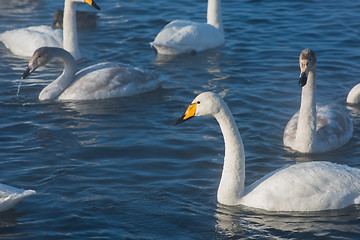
(92, 3)
(190, 113)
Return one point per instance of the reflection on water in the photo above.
(240, 221)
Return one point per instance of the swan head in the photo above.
(43, 56)
(40, 58)
(307, 61)
(206, 103)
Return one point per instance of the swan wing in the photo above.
(181, 36)
(10, 196)
(109, 80)
(334, 128)
(311, 186)
(24, 41)
(290, 130)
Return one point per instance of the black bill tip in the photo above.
(95, 5)
(182, 119)
(303, 79)
(26, 73)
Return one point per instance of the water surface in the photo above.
(119, 169)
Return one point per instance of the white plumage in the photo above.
(182, 36)
(24, 41)
(103, 80)
(10, 196)
(315, 128)
(311, 186)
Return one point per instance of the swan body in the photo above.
(311, 186)
(315, 128)
(354, 95)
(24, 41)
(10, 196)
(181, 36)
(100, 81)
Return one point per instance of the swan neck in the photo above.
(70, 39)
(214, 14)
(54, 89)
(232, 180)
(306, 133)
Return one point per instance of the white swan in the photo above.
(182, 36)
(10, 196)
(103, 80)
(24, 41)
(311, 186)
(315, 128)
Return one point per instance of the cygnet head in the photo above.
(307, 61)
(40, 58)
(206, 103)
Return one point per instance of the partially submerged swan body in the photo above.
(24, 41)
(10, 196)
(311, 186)
(100, 81)
(354, 95)
(315, 128)
(180, 36)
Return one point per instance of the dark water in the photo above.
(118, 169)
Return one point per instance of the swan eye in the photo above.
(198, 102)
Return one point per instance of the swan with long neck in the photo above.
(181, 36)
(103, 80)
(315, 128)
(24, 41)
(311, 186)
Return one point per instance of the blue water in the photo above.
(119, 169)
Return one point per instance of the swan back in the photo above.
(311, 186)
(24, 41)
(110, 80)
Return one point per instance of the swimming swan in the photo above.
(24, 41)
(103, 80)
(181, 36)
(315, 128)
(10, 196)
(311, 186)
